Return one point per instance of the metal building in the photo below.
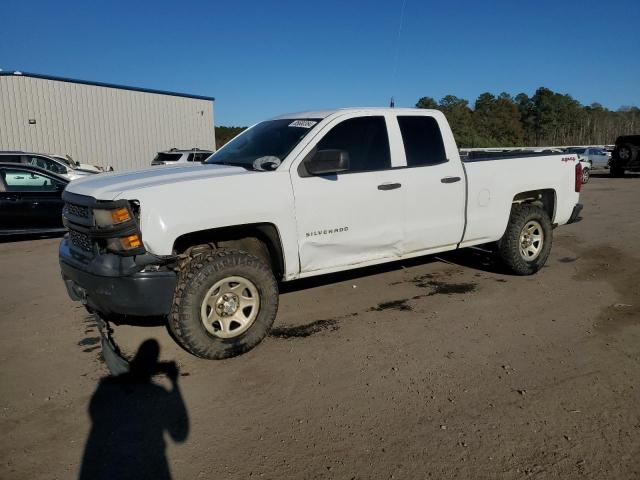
(99, 123)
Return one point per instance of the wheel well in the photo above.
(260, 239)
(545, 199)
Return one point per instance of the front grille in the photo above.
(76, 210)
(81, 241)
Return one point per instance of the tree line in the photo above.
(547, 118)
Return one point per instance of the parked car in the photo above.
(48, 162)
(30, 199)
(626, 155)
(70, 162)
(597, 157)
(298, 196)
(586, 171)
(176, 156)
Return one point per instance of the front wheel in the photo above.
(526, 243)
(224, 305)
(586, 175)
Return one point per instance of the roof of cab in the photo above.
(326, 113)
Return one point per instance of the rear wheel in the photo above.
(526, 243)
(616, 171)
(225, 304)
(626, 152)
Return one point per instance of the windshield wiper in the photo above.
(234, 164)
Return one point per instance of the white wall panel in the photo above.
(97, 124)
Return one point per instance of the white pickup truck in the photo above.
(296, 196)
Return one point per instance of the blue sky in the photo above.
(262, 58)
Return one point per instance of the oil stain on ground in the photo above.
(567, 259)
(401, 305)
(303, 331)
(444, 288)
(435, 287)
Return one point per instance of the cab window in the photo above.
(365, 139)
(422, 140)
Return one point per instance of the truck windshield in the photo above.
(273, 138)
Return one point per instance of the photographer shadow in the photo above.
(130, 414)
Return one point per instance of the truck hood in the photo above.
(109, 186)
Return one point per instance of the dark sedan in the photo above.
(30, 199)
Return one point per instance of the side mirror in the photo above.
(325, 162)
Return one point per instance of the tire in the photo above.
(586, 175)
(212, 276)
(616, 171)
(626, 153)
(509, 246)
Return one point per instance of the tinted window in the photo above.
(201, 157)
(422, 141)
(46, 163)
(10, 158)
(23, 180)
(366, 141)
(167, 157)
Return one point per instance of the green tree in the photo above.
(427, 102)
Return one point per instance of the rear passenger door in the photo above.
(433, 181)
(355, 216)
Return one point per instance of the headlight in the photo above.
(124, 244)
(108, 218)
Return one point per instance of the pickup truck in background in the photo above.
(300, 195)
(625, 156)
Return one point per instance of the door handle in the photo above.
(450, 179)
(389, 186)
(11, 198)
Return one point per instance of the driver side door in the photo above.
(351, 217)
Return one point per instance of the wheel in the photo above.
(224, 305)
(526, 243)
(626, 152)
(616, 171)
(586, 175)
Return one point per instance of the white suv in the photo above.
(173, 156)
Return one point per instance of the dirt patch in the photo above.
(303, 331)
(622, 272)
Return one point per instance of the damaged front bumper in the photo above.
(113, 358)
(110, 284)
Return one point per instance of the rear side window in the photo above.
(422, 141)
(366, 141)
(46, 163)
(168, 157)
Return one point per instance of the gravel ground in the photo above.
(442, 367)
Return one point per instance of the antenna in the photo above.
(397, 53)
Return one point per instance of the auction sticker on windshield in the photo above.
(303, 123)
